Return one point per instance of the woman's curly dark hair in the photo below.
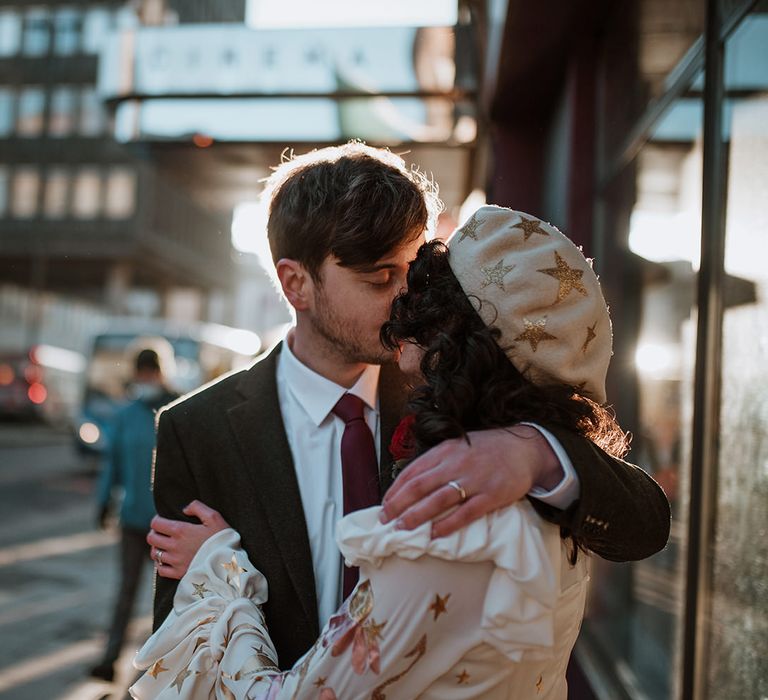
(470, 384)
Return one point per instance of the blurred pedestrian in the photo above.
(128, 467)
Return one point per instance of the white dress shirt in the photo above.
(314, 436)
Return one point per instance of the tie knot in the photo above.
(349, 407)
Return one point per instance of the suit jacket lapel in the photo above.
(392, 393)
(260, 433)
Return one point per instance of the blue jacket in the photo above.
(129, 461)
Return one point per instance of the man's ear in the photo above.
(296, 282)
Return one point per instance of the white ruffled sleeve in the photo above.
(214, 643)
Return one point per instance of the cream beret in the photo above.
(540, 291)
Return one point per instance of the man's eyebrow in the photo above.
(376, 267)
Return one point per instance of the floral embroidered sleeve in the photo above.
(409, 622)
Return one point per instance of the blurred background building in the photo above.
(134, 138)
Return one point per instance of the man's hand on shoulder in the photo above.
(497, 468)
(174, 543)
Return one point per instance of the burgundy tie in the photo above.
(359, 467)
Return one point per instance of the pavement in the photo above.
(58, 573)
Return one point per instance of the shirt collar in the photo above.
(318, 395)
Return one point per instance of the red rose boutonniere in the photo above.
(402, 445)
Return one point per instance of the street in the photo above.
(58, 573)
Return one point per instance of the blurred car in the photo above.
(41, 384)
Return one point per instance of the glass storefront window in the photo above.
(66, 28)
(26, 185)
(62, 112)
(645, 40)
(86, 200)
(6, 111)
(29, 118)
(738, 621)
(37, 32)
(635, 612)
(56, 191)
(10, 32)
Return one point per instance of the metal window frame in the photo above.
(707, 53)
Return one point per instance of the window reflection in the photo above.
(636, 609)
(645, 41)
(738, 625)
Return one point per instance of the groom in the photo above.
(263, 446)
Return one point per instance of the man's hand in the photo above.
(497, 468)
(178, 541)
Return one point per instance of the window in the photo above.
(29, 119)
(66, 31)
(644, 40)
(738, 621)
(3, 190)
(56, 190)
(120, 198)
(10, 32)
(37, 32)
(96, 24)
(26, 186)
(62, 112)
(92, 117)
(6, 111)
(87, 193)
(635, 611)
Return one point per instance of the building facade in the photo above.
(81, 215)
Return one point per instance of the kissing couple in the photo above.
(400, 498)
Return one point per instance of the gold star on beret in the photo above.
(569, 277)
(495, 274)
(469, 230)
(534, 332)
(530, 226)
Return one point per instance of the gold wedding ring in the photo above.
(462, 493)
(159, 556)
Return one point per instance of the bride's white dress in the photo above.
(491, 612)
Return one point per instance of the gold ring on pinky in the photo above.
(159, 557)
(462, 493)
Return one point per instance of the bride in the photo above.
(505, 325)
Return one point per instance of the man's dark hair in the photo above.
(147, 360)
(354, 202)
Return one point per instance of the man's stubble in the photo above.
(342, 338)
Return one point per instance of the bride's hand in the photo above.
(174, 543)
